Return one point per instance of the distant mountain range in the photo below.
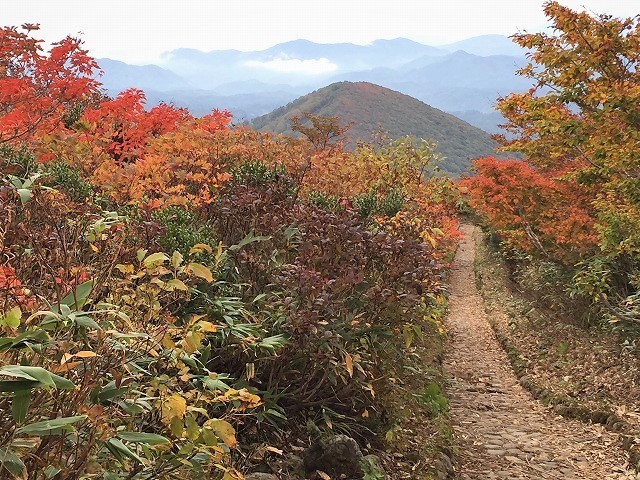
(373, 108)
(462, 78)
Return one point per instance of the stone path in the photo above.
(502, 432)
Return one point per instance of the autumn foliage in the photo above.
(573, 200)
(535, 212)
(38, 90)
(173, 287)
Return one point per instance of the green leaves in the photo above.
(121, 451)
(274, 342)
(51, 471)
(31, 377)
(12, 318)
(12, 463)
(23, 186)
(37, 374)
(248, 239)
(29, 338)
(20, 405)
(163, 342)
(141, 437)
(78, 297)
(51, 427)
(18, 385)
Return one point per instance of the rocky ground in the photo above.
(501, 431)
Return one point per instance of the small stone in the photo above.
(497, 453)
(260, 476)
(336, 456)
(295, 465)
(513, 459)
(446, 462)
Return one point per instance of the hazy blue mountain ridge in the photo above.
(119, 76)
(465, 76)
(485, 45)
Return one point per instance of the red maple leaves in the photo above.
(37, 89)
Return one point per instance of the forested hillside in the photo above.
(371, 109)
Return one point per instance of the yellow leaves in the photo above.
(11, 318)
(200, 271)
(141, 253)
(175, 284)
(232, 474)
(199, 248)
(348, 363)
(155, 260)
(369, 387)
(67, 365)
(247, 399)
(408, 334)
(167, 342)
(206, 326)
(250, 370)
(193, 430)
(65, 358)
(196, 331)
(126, 269)
(85, 354)
(82, 354)
(223, 430)
(192, 341)
(176, 259)
(176, 426)
(173, 406)
(219, 254)
(429, 238)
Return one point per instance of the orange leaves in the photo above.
(531, 210)
(216, 121)
(242, 399)
(158, 157)
(123, 127)
(11, 290)
(578, 128)
(37, 89)
(324, 133)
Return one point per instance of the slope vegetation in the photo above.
(372, 109)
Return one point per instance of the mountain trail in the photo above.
(501, 431)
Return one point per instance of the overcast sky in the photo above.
(138, 31)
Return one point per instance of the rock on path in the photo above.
(502, 432)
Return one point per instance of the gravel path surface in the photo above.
(502, 432)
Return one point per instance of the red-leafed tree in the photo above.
(38, 88)
(123, 126)
(578, 131)
(533, 211)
